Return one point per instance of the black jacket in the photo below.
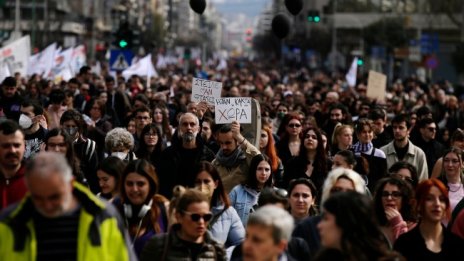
(177, 164)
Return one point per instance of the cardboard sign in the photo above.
(232, 109)
(376, 85)
(205, 90)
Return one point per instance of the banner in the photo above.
(232, 109)
(16, 55)
(205, 90)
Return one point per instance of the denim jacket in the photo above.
(227, 229)
(243, 198)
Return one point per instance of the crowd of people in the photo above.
(113, 169)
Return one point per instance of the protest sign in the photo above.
(376, 86)
(232, 109)
(205, 90)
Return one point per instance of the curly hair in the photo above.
(119, 137)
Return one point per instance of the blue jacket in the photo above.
(243, 198)
(226, 228)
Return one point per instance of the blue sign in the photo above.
(120, 59)
(429, 43)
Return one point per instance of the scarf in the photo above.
(232, 160)
(359, 147)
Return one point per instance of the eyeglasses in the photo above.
(151, 134)
(393, 194)
(431, 129)
(196, 217)
(142, 117)
(399, 176)
(294, 125)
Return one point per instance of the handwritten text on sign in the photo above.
(231, 109)
(204, 90)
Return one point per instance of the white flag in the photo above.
(4, 72)
(16, 55)
(47, 59)
(78, 59)
(352, 73)
(61, 65)
(143, 67)
(33, 67)
(161, 62)
(222, 65)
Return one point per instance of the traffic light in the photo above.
(123, 36)
(360, 61)
(313, 16)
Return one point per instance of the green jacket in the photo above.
(101, 233)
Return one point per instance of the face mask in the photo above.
(25, 122)
(71, 131)
(119, 154)
(281, 115)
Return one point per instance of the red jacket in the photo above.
(12, 190)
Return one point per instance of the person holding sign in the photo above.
(234, 156)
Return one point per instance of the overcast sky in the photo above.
(250, 8)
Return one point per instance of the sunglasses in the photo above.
(294, 125)
(393, 194)
(196, 217)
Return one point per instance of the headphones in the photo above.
(143, 211)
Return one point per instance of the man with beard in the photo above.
(401, 149)
(61, 219)
(177, 163)
(234, 156)
(12, 186)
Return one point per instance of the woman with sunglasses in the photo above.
(188, 239)
(430, 240)
(289, 133)
(225, 225)
(143, 209)
(244, 197)
(393, 207)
